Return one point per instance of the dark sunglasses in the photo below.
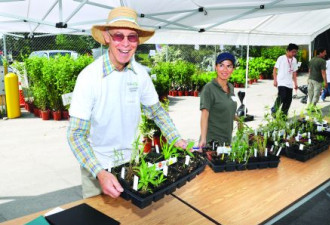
(119, 37)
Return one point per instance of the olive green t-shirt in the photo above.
(222, 109)
(316, 65)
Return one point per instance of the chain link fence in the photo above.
(21, 46)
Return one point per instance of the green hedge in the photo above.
(50, 78)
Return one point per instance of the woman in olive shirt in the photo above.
(218, 104)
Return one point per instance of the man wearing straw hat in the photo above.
(105, 108)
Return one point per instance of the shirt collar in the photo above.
(215, 82)
(108, 66)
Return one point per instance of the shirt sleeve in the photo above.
(77, 134)
(149, 95)
(277, 64)
(157, 113)
(323, 65)
(295, 65)
(82, 98)
(205, 98)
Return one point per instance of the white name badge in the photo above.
(234, 98)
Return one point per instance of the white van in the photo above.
(53, 53)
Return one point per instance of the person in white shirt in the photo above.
(106, 104)
(285, 71)
(326, 91)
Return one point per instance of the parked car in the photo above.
(53, 53)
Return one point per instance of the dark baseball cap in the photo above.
(225, 56)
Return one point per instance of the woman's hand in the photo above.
(202, 143)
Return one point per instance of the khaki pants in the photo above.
(314, 89)
(90, 185)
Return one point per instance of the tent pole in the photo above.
(246, 72)
(167, 53)
(4, 46)
(309, 51)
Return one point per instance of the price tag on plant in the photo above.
(187, 160)
(287, 144)
(66, 99)
(157, 149)
(135, 182)
(301, 147)
(172, 160)
(122, 174)
(154, 77)
(272, 148)
(165, 170)
(279, 151)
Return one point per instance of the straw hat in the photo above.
(121, 17)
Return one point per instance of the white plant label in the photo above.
(137, 159)
(293, 131)
(66, 99)
(223, 150)
(276, 143)
(309, 134)
(122, 174)
(266, 152)
(213, 146)
(309, 141)
(135, 182)
(172, 160)
(301, 147)
(255, 153)
(272, 148)
(165, 170)
(255, 132)
(287, 144)
(157, 149)
(297, 138)
(187, 160)
(279, 151)
(153, 76)
(319, 128)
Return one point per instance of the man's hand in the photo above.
(326, 85)
(295, 86)
(275, 83)
(109, 184)
(181, 144)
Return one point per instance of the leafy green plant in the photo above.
(147, 176)
(168, 150)
(187, 150)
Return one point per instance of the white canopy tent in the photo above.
(237, 22)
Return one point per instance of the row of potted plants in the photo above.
(49, 79)
(46, 114)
